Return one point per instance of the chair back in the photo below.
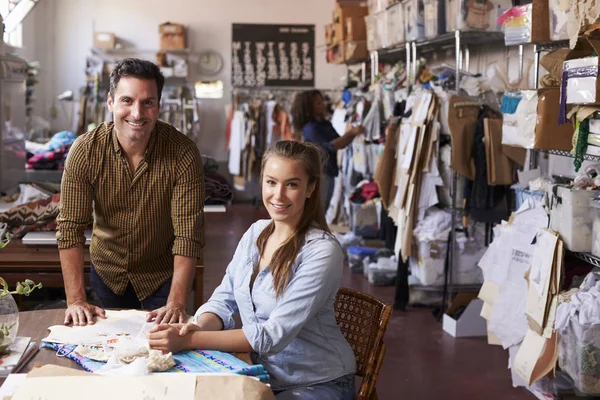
(363, 320)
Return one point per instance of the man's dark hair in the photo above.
(136, 68)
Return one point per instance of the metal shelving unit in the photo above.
(565, 153)
(587, 257)
(460, 42)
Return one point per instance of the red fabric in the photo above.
(369, 190)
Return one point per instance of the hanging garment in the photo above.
(236, 143)
(270, 107)
(385, 171)
(485, 203)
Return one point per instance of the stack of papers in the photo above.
(17, 355)
(520, 292)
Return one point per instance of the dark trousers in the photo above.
(129, 300)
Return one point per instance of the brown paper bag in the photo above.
(462, 121)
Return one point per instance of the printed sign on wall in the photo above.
(273, 55)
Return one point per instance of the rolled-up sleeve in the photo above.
(187, 208)
(76, 198)
(312, 134)
(316, 280)
(222, 302)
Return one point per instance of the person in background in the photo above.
(282, 281)
(141, 183)
(309, 112)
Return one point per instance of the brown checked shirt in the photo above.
(140, 221)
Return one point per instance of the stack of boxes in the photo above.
(346, 37)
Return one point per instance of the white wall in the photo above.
(59, 34)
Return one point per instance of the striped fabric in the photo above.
(140, 221)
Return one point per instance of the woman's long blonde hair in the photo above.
(310, 157)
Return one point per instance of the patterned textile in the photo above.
(35, 215)
(53, 159)
(194, 361)
(217, 188)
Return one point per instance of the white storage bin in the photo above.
(383, 272)
(571, 217)
(395, 20)
(372, 39)
(595, 207)
(381, 22)
(475, 15)
(579, 355)
(427, 266)
(435, 18)
(414, 19)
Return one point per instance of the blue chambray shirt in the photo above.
(295, 337)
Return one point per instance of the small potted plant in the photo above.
(9, 312)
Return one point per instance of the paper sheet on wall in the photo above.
(147, 387)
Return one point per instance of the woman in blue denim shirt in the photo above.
(282, 281)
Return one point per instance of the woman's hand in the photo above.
(167, 338)
(357, 130)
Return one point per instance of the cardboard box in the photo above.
(347, 10)
(105, 40)
(172, 36)
(355, 50)
(338, 34)
(356, 28)
(469, 323)
(335, 53)
(329, 34)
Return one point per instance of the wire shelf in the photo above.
(565, 153)
(587, 257)
(445, 41)
(551, 46)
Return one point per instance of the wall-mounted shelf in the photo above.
(133, 50)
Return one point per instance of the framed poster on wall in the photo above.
(273, 55)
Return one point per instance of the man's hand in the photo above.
(170, 314)
(166, 338)
(81, 313)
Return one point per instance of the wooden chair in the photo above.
(363, 320)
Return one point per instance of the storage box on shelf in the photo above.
(348, 10)
(172, 36)
(395, 20)
(356, 29)
(435, 18)
(381, 23)
(475, 15)
(570, 216)
(414, 20)
(105, 40)
(559, 16)
(528, 23)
